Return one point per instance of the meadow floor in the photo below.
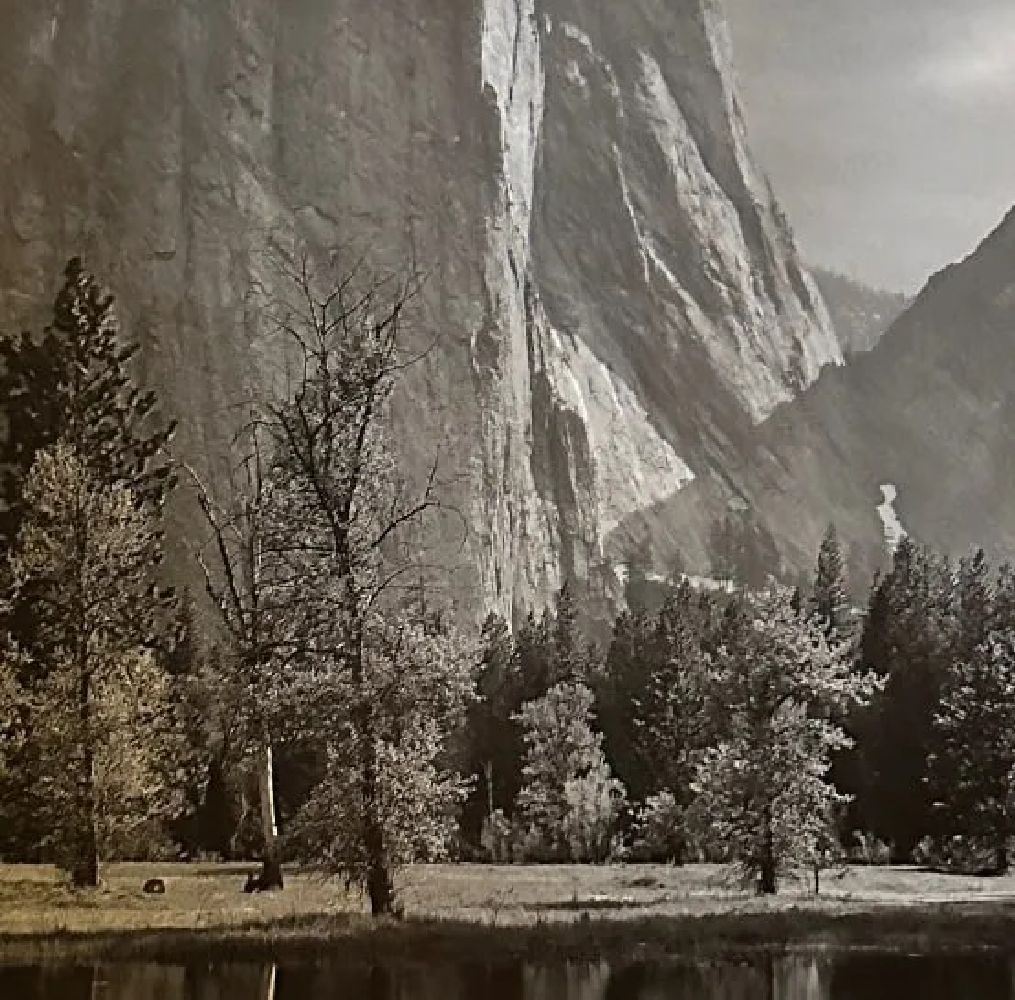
(523, 910)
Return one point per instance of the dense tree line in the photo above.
(778, 728)
(933, 767)
(719, 716)
(316, 702)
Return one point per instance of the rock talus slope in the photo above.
(618, 296)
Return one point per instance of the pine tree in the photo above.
(761, 786)
(96, 697)
(1003, 605)
(907, 640)
(30, 375)
(974, 598)
(533, 657)
(629, 662)
(570, 801)
(551, 648)
(73, 385)
(972, 769)
(494, 743)
(673, 724)
(570, 658)
(830, 597)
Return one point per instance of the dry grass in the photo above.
(522, 910)
(35, 900)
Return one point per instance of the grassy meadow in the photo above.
(526, 910)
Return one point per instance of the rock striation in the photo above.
(618, 296)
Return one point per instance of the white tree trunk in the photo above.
(266, 789)
(268, 979)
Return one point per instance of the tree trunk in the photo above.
(488, 775)
(271, 867)
(767, 866)
(85, 871)
(85, 861)
(379, 883)
(269, 979)
(85, 865)
(380, 887)
(1001, 851)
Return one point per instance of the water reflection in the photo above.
(846, 976)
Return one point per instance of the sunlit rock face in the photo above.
(617, 295)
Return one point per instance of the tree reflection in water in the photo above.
(833, 976)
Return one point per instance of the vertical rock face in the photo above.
(616, 292)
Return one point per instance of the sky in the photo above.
(887, 127)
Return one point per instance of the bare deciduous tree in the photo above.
(323, 536)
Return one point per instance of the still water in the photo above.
(843, 976)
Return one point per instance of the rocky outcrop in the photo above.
(617, 294)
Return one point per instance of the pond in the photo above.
(838, 976)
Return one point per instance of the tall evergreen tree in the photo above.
(494, 741)
(972, 767)
(547, 650)
(76, 386)
(907, 640)
(533, 656)
(673, 724)
(1003, 605)
(30, 375)
(73, 384)
(570, 655)
(630, 659)
(830, 596)
(974, 604)
(830, 604)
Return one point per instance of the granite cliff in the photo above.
(618, 295)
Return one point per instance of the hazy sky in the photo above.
(887, 126)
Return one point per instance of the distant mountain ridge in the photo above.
(861, 315)
(919, 432)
